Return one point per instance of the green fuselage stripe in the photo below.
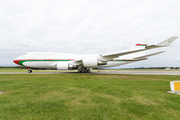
(125, 60)
(142, 45)
(21, 62)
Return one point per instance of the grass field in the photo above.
(87, 97)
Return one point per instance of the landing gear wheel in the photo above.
(85, 70)
(79, 71)
(29, 71)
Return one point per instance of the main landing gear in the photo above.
(84, 71)
(29, 71)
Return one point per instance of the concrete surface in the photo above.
(175, 92)
(105, 72)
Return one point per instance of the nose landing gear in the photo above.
(29, 71)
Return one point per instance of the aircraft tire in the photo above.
(79, 71)
(29, 71)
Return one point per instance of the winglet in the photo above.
(167, 42)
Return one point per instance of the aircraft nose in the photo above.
(16, 61)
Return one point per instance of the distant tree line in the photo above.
(145, 68)
(156, 67)
(21, 67)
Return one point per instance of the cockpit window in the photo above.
(23, 56)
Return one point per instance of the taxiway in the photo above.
(105, 72)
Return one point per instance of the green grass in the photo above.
(23, 70)
(13, 70)
(86, 96)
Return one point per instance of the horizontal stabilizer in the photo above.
(145, 56)
(167, 42)
(163, 44)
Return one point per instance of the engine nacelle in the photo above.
(65, 66)
(90, 62)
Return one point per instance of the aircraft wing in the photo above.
(78, 60)
(162, 44)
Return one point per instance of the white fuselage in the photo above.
(49, 59)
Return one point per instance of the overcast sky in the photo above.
(88, 27)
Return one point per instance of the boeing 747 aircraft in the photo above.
(83, 63)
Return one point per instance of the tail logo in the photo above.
(141, 44)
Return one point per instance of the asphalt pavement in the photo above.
(105, 72)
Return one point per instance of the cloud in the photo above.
(88, 27)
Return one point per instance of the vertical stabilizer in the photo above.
(141, 44)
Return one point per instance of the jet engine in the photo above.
(65, 66)
(92, 62)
